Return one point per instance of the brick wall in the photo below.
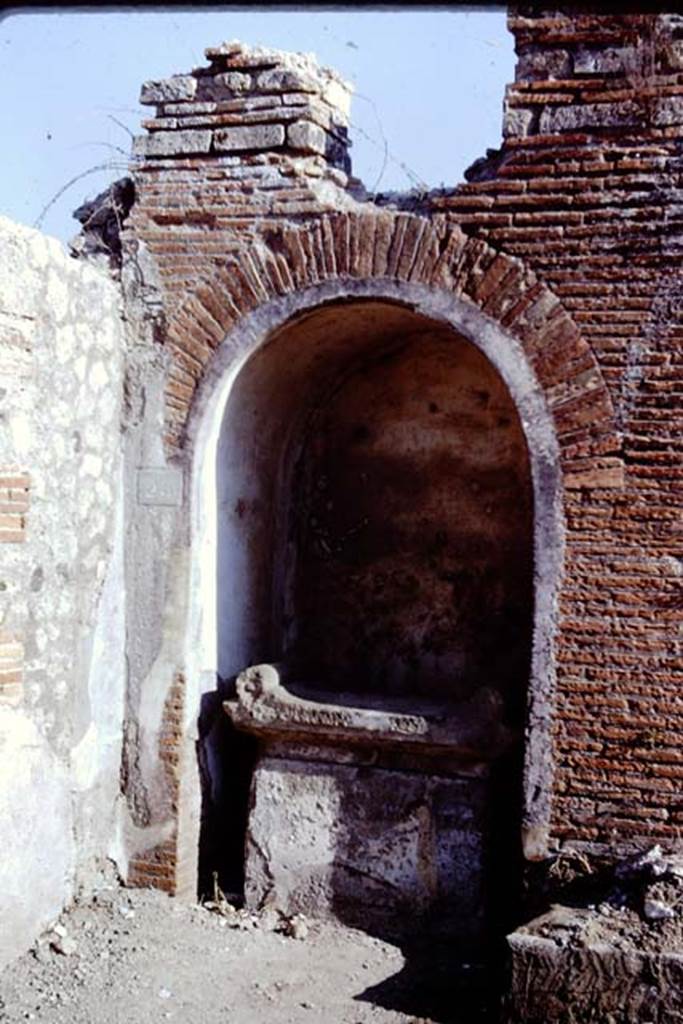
(257, 136)
(586, 191)
(569, 236)
(14, 502)
(157, 866)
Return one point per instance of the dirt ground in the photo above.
(130, 956)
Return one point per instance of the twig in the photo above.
(372, 103)
(107, 145)
(121, 125)
(411, 175)
(109, 166)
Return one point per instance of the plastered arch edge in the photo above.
(396, 247)
(505, 354)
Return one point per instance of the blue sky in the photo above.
(429, 87)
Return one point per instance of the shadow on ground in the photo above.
(436, 985)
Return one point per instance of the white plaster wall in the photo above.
(61, 369)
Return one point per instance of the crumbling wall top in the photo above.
(249, 100)
(591, 72)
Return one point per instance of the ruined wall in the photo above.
(255, 136)
(586, 190)
(61, 594)
(560, 258)
(567, 238)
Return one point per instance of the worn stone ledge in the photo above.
(265, 707)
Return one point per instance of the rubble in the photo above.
(103, 218)
(596, 962)
(270, 918)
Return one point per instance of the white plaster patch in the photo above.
(98, 376)
(84, 760)
(65, 340)
(92, 465)
(59, 446)
(21, 434)
(57, 295)
(104, 491)
(80, 365)
(107, 406)
(19, 282)
(60, 689)
(35, 825)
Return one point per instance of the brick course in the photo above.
(14, 502)
(11, 668)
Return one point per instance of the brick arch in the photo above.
(382, 244)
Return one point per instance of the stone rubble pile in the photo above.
(656, 879)
(269, 918)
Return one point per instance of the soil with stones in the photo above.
(140, 957)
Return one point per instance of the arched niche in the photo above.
(456, 474)
(375, 521)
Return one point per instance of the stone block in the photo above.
(543, 64)
(372, 847)
(604, 61)
(257, 136)
(338, 95)
(307, 137)
(229, 48)
(169, 90)
(517, 121)
(224, 86)
(234, 81)
(589, 115)
(560, 974)
(285, 80)
(673, 55)
(173, 143)
(668, 110)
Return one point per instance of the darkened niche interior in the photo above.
(410, 528)
(374, 516)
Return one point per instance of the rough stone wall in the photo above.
(586, 191)
(61, 597)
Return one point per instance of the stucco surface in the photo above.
(61, 339)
